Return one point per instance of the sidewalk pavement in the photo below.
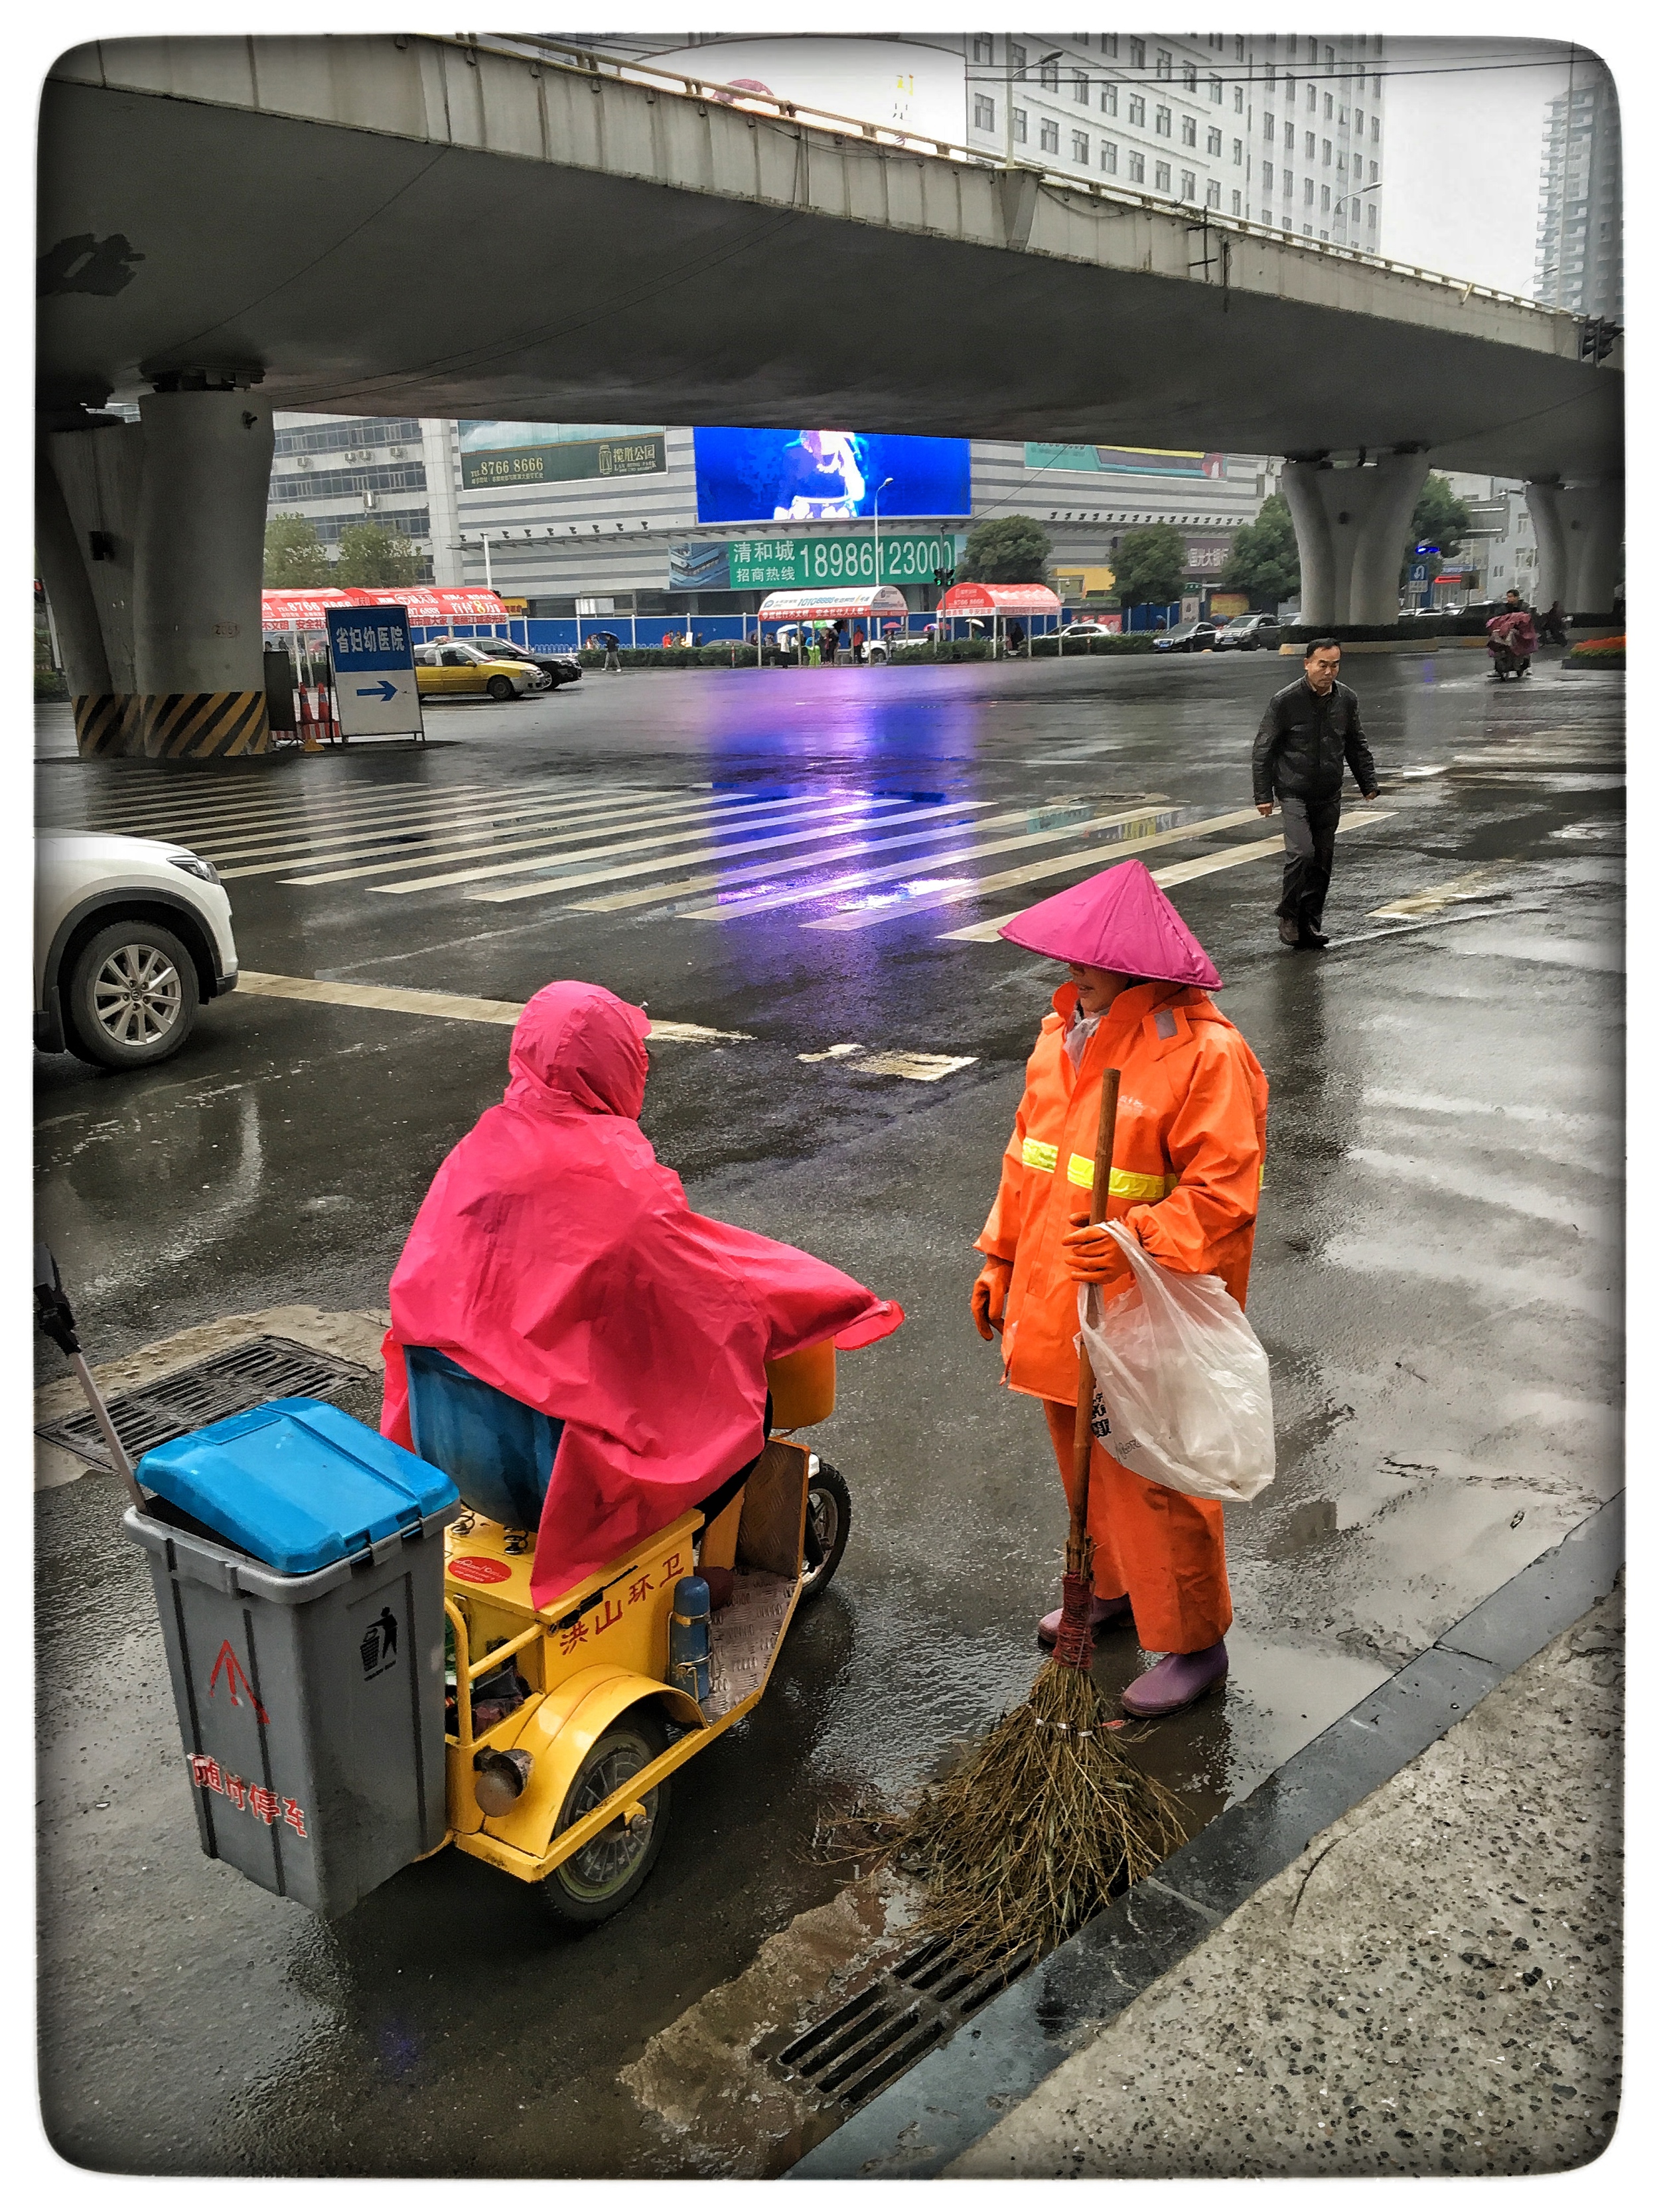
(1431, 1987)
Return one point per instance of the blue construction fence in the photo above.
(575, 634)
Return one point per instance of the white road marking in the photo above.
(553, 885)
(315, 803)
(831, 1052)
(914, 1067)
(446, 1005)
(381, 859)
(1440, 895)
(658, 894)
(1208, 864)
(1081, 826)
(409, 818)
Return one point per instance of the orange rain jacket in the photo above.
(1187, 1164)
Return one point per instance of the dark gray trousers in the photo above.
(1310, 851)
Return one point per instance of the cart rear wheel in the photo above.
(605, 1874)
(829, 1523)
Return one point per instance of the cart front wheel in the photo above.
(605, 1874)
(829, 1523)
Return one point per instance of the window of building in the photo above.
(1161, 122)
(1213, 194)
(1108, 100)
(1324, 199)
(1267, 176)
(1307, 192)
(1330, 59)
(1017, 60)
(1166, 61)
(1161, 176)
(1341, 163)
(1108, 44)
(1215, 90)
(984, 112)
(1238, 203)
(1238, 99)
(1373, 177)
(1359, 122)
(1307, 146)
(1137, 110)
(1377, 88)
(1313, 53)
(1370, 215)
(1238, 153)
(1017, 117)
(1051, 73)
(1269, 125)
(1325, 153)
(982, 48)
(1189, 185)
(1342, 117)
(1137, 168)
(1080, 147)
(1048, 135)
(1377, 128)
(1307, 230)
(1212, 141)
(1109, 157)
(1239, 52)
(1353, 210)
(1289, 87)
(1190, 131)
(1079, 86)
(1137, 53)
(1313, 100)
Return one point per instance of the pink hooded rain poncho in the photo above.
(554, 1258)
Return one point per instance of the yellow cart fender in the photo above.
(558, 1733)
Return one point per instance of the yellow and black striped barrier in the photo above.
(172, 724)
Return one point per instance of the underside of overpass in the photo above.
(431, 226)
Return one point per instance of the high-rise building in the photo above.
(1284, 131)
(1580, 262)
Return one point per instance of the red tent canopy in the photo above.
(426, 605)
(998, 600)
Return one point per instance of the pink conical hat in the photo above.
(1118, 920)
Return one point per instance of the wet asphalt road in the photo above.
(1437, 1281)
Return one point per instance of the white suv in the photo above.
(130, 935)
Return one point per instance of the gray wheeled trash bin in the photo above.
(311, 1702)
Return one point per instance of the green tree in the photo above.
(372, 554)
(295, 558)
(1005, 548)
(1439, 517)
(1264, 561)
(1150, 565)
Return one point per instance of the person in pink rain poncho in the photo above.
(554, 1258)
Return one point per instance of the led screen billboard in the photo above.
(815, 476)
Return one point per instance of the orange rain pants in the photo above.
(1185, 1176)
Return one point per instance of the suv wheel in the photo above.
(132, 996)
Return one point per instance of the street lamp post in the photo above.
(880, 488)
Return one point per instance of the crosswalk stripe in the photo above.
(444, 1005)
(543, 850)
(656, 894)
(1208, 864)
(802, 895)
(387, 822)
(394, 849)
(1033, 872)
(1474, 884)
(235, 813)
(737, 846)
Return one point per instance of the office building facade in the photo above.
(1580, 250)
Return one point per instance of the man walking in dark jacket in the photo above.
(1310, 731)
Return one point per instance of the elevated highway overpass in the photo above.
(228, 225)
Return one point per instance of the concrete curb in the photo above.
(929, 2117)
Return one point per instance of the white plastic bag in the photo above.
(1182, 1390)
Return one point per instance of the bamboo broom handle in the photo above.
(1100, 1191)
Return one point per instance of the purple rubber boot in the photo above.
(1180, 1678)
(1103, 1613)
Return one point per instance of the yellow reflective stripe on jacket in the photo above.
(1034, 1155)
(1123, 1184)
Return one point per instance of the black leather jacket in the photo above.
(1304, 742)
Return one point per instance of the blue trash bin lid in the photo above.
(297, 1482)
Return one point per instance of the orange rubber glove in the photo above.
(990, 1296)
(1093, 1256)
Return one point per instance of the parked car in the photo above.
(459, 667)
(1188, 637)
(557, 667)
(1249, 634)
(1081, 631)
(130, 935)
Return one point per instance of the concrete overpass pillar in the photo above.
(1351, 532)
(1551, 580)
(197, 674)
(1588, 527)
(88, 474)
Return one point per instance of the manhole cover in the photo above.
(191, 1397)
(877, 2034)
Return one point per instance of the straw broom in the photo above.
(1047, 1820)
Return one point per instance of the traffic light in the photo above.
(1597, 338)
(945, 578)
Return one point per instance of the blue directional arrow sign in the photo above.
(374, 683)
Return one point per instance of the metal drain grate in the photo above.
(191, 1397)
(876, 2035)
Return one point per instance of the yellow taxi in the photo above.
(458, 668)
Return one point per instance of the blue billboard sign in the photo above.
(376, 689)
(819, 476)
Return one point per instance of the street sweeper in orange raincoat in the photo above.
(1186, 1175)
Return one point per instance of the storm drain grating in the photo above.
(880, 2033)
(191, 1397)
